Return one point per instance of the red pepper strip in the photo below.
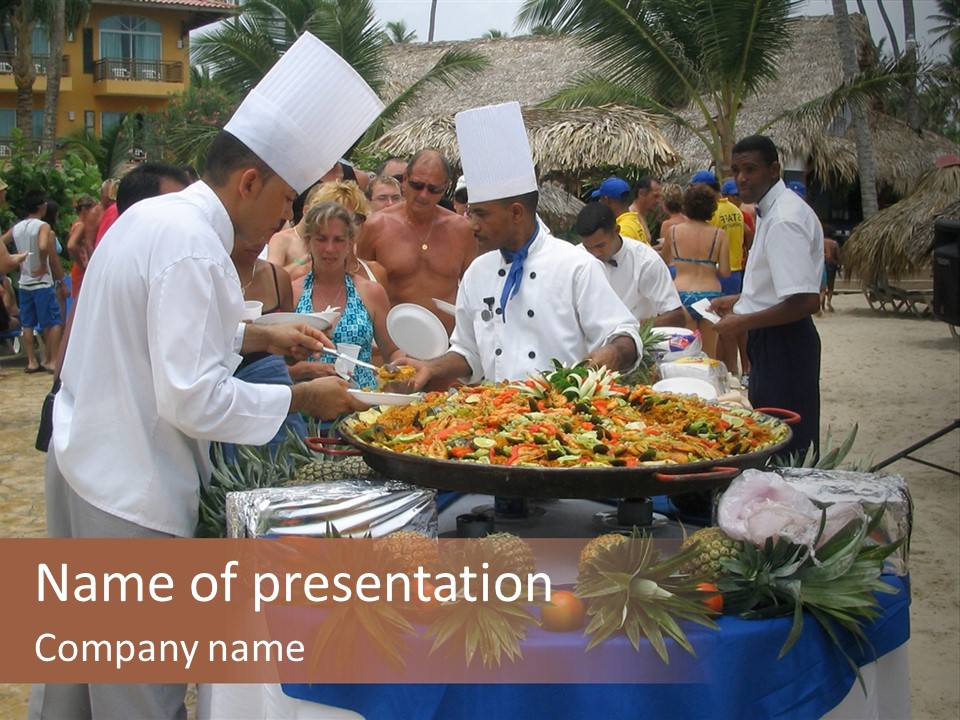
(587, 425)
(631, 461)
(453, 430)
(507, 394)
(649, 430)
(459, 452)
(515, 453)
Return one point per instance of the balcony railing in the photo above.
(144, 70)
(40, 64)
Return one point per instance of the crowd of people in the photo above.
(162, 267)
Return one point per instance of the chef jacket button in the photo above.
(533, 276)
(498, 351)
(531, 354)
(530, 313)
(499, 311)
(501, 272)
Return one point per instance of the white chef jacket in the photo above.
(565, 309)
(148, 374)
(786, 257)
(641, 280)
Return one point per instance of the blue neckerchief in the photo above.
(512, 285)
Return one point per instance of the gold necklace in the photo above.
(253, 276)
(316, 286)
(424, 241)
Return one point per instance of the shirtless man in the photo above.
(424, 247)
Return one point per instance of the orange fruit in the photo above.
(714, 601)
(564, 613)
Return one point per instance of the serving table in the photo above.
(736, 673)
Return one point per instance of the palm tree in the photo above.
(433, 20)
(398, 33)
(861, 127)
(494, 34)
(662, 55)
(241, 50)
(24, 16)
(948, 29)
(55, 28)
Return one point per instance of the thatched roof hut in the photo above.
(894, 243)
(564, 143)
(529, 69)
(557, 207)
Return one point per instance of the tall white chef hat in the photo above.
(495, 153)
(305, 113)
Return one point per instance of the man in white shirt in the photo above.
(148, 373)
(781, 290)
(635, 270)
(534, 298)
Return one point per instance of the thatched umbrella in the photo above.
(889, 246)
(809, 65)
(565, 143)
(557, 207)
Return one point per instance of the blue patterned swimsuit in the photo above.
(354, 326)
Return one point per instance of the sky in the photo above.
(465, 19)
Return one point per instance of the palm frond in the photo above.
(454, 66)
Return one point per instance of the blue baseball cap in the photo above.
(614, 188)
(798, 187)
(729, 187)
(704, 177)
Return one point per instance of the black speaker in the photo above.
(946, 270)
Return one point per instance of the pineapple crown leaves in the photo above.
(836, 585)
(347, 622)
(629, 588)
(829, 457)
(492, 628)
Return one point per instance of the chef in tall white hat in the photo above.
(536, 298)
(148, 373)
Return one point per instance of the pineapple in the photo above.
(628, 588)
(321, 471)
(410, 550)
(712, 545)
(490, 629)
(512, 553)
(592, 548)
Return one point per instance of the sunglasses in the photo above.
(417, 186)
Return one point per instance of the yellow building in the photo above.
(128, 55)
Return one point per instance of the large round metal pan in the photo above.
(551, 482)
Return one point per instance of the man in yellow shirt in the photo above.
(615, 193)
(648, 199)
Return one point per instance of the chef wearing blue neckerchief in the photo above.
(535, 298)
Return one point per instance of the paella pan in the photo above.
(588, 439)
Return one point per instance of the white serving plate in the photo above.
(417, 331)
(382, 398)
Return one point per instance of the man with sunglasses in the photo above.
(424, 247)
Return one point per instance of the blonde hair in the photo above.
(321, 213)
(346, 193)
(672, 197)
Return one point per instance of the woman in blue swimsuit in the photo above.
(700, 253)
(330, 233)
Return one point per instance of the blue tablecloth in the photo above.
(737, 675)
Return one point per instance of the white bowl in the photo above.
(687, 386)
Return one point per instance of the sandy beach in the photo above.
(894, 375)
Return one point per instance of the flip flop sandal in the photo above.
(37, 369)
